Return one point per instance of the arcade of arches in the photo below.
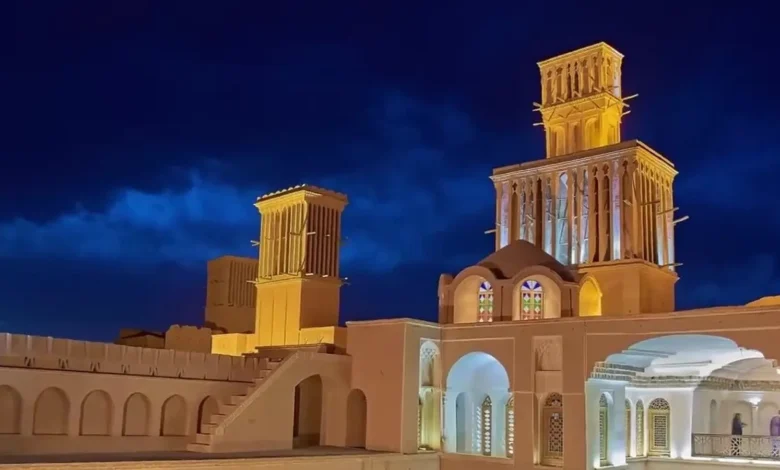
(308, 413)
(473, 412)
(52, 410)
(683, 396)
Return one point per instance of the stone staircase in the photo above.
(225, 407)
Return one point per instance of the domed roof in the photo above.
(520, 254)
(683, 355)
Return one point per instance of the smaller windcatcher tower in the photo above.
(582, 101)
(298, 282)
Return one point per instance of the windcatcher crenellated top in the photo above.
(582, 100)
(300, 233)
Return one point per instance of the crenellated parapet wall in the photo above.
(45, 352)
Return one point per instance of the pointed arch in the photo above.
(590, 297)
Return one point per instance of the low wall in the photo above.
(45, 352)
(342, 462)
(56, 412)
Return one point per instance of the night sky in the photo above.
(137, 134)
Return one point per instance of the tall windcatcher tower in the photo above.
(298, 282)
(595, 202)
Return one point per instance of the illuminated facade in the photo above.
(561, 349)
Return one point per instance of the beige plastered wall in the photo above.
(540, 358)
(266, 421)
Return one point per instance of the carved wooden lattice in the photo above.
(640, 429)
(659, 413)
(628, 428)
(552, 413)
(603, 429)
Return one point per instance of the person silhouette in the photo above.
(736, 433)
(774, 431)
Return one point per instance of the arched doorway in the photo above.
(475, 379)
(356, 419)
(307, 415)
(207, 408)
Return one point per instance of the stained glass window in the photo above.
(485, 313)
(532, 299)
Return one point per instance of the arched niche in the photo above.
(52, 409)
(473, 378)
(10, 410)
(536, 291)
(590, 298)
(174, 417)
(429, 413)
(136, 416)
(97, 409)
(430, 365)
(474, 299)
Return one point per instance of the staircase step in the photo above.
(236, 399)
(217, 418)
(207, 428)
(194, 447)
(201, 438)
(226, 409)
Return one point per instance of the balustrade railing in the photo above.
(726, 445)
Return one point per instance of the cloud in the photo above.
(138, 226)
(408, 188)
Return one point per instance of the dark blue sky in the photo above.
(136, 136)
